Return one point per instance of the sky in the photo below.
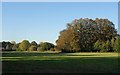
(60, 0)
(42, 21)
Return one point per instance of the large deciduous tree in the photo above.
(24, 45)
(81, 34)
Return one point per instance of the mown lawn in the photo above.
(37, 62)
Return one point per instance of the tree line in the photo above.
(81, 35)
(25, 45)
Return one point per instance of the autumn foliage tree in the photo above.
(81, 34)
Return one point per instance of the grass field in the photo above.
(37, 62)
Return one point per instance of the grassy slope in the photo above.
(34, 62)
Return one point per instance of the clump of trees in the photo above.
(45, 46)
(87, 35)
(8, 46)
(25, 45)
(81, 35)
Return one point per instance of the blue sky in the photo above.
(42, 21)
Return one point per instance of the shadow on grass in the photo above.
(62, 65)
(20, 54)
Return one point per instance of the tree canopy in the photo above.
(81, 34)
(24, 45)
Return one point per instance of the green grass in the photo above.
(37, 62)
